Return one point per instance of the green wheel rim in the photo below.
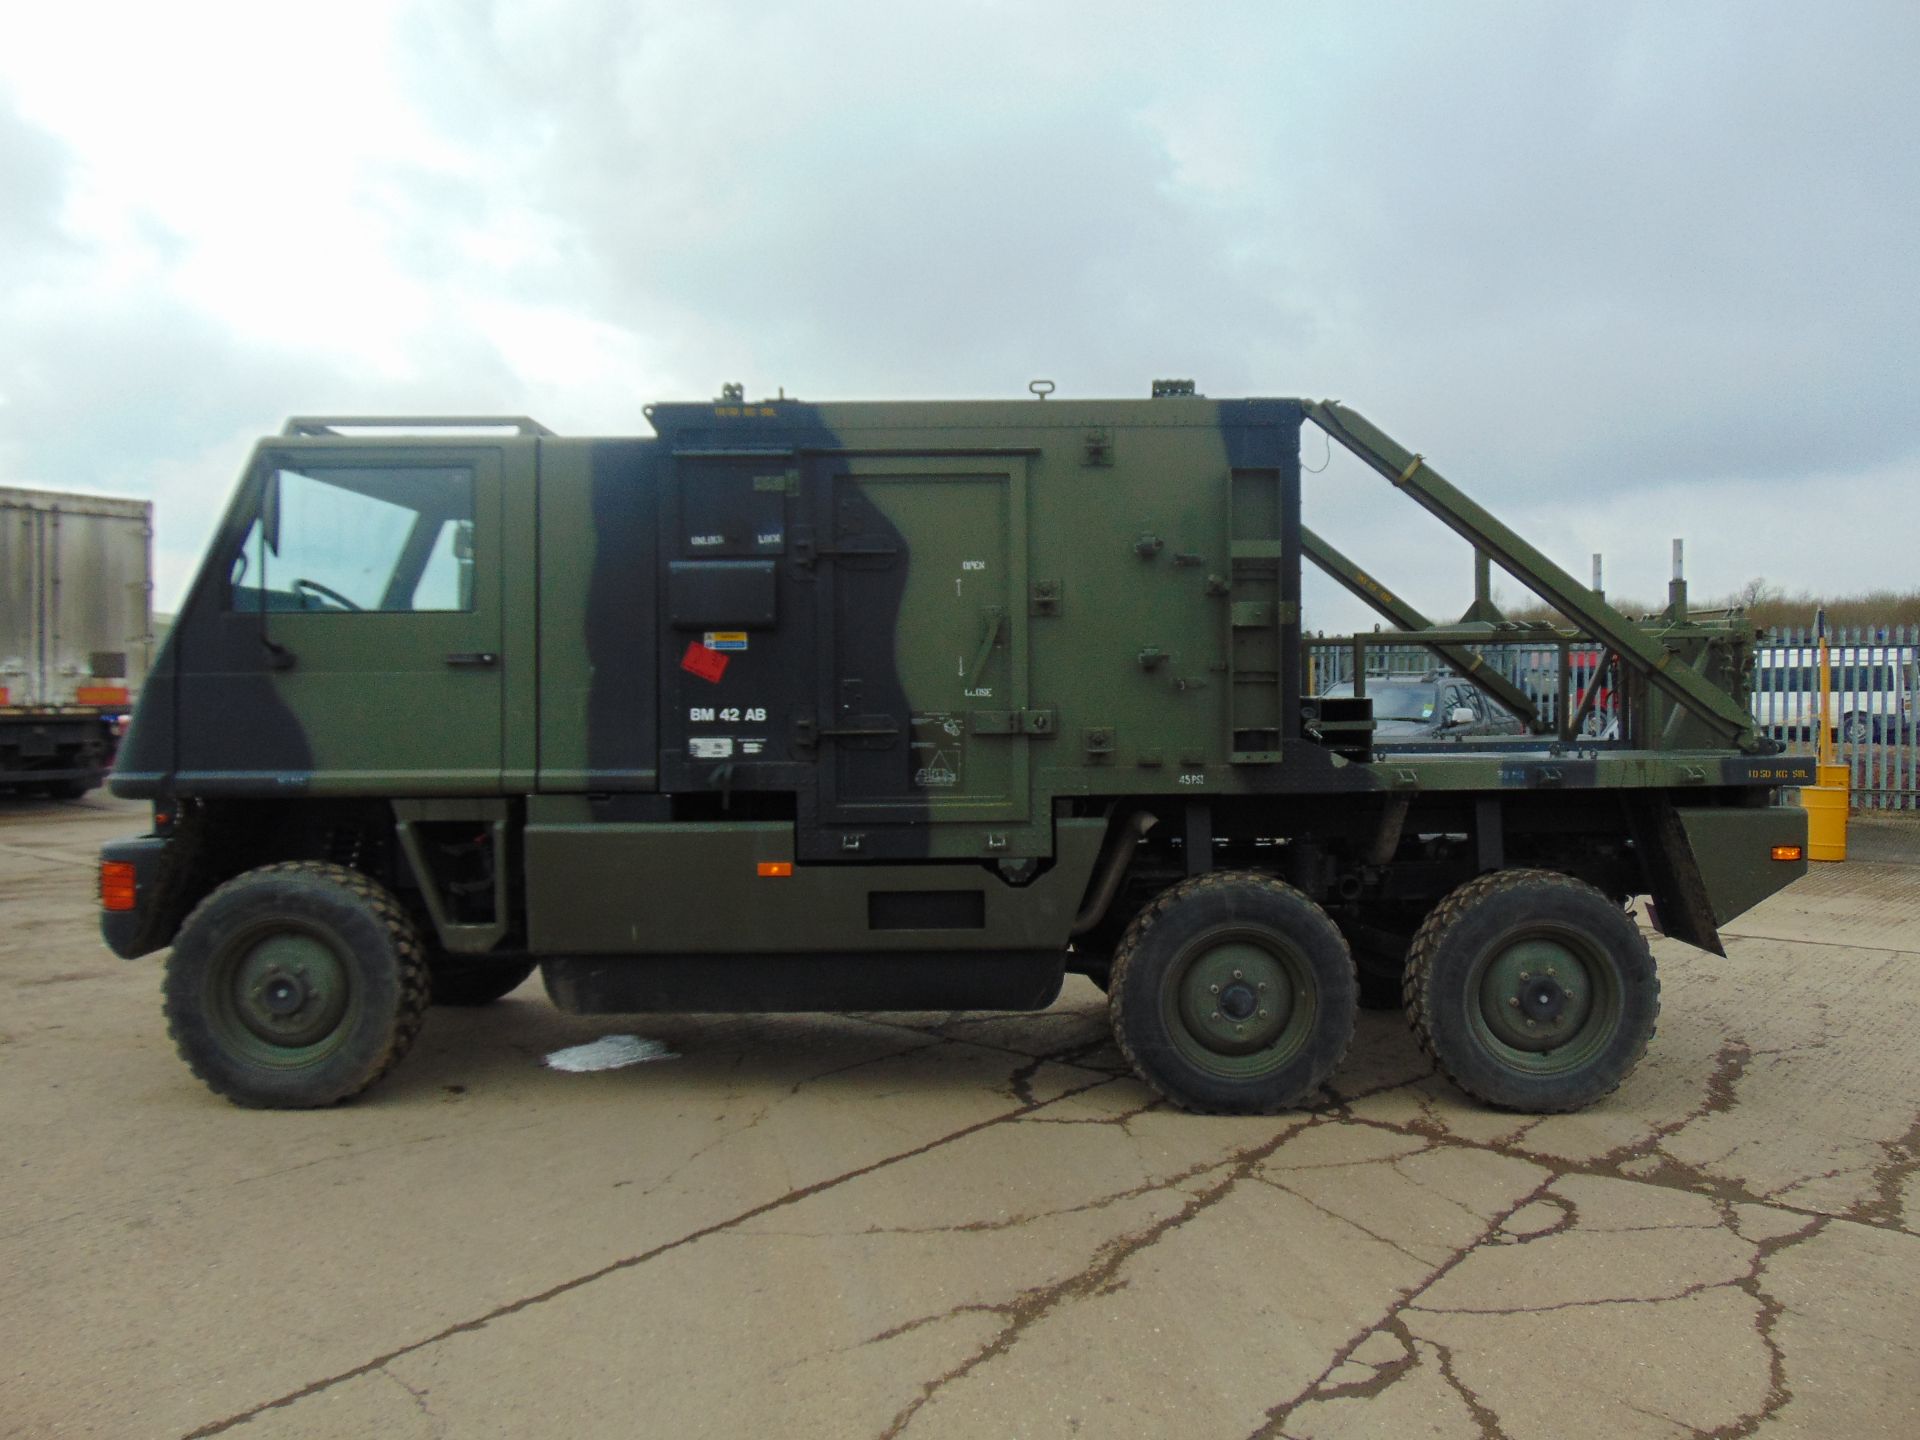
(281, 994)
(1544, 999)
(1240, 1002)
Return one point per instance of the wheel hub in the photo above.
(1236, 998)
(284, 994)
(1541, 998)
(290, 990)
(1535, 994)
(1238, 1001)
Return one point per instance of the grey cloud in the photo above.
(1674, 244)
(1650, 244)
(1576, 255)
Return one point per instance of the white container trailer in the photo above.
(76, 633)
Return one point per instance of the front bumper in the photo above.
(147, 926)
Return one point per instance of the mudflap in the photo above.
(1705, 865)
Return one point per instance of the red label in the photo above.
(707, 664)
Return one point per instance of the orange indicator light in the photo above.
(1786, 852)
(775, 869)
(116, 885)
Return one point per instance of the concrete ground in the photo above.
(830, 1226)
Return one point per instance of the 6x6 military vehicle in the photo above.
(901, 706)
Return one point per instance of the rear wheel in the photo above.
(295, 985)
(1532, 991)
(1233, 993)
(1857, 729)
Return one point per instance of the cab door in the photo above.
(360, 643)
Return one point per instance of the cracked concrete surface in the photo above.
(934, 1225)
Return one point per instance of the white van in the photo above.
(1871, 691)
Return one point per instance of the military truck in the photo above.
(76, 587)
(883, 707)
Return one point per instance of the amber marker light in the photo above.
(1786, 852)
(775, 869)
(116, 885)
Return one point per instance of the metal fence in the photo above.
(1873, 703)
(1873, 692)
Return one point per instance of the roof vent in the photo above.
(1172, 389)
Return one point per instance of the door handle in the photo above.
(993, 620)
(473, 659)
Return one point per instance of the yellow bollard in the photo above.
(1827, 803)
(1826, 807)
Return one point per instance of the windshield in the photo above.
(1395, 699)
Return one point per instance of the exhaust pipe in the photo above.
(1113, 869)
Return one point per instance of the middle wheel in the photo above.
(1233, 993)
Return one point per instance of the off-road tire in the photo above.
(1233, 922)
(257, 934)
(1471, 951)
(472, 980)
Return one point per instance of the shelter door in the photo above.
(923, 638)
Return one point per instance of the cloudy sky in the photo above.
(1623, 271)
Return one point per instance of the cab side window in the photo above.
(354, 539)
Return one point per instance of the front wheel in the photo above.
(295, 985)
(1532, 991)
(1857, 729)
(1233, 993)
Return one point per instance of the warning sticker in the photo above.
(726, 640)
(939, 751)
(710, 747)
(708, 664)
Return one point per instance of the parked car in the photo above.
(1869, 692)
(1436, 706)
